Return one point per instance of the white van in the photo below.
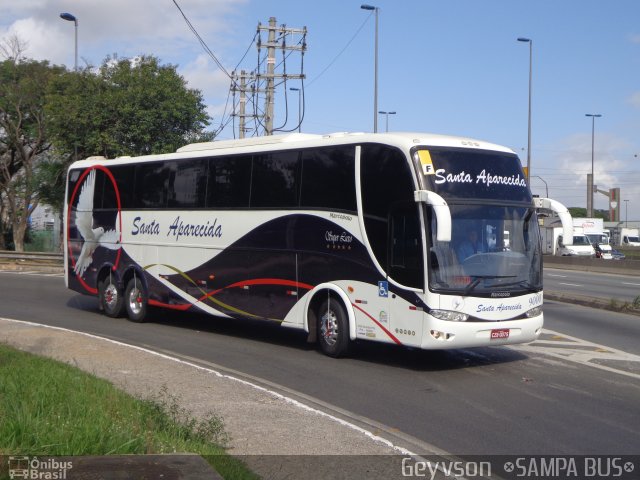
(581, 247)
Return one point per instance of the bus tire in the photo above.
(136, 301)
(333, 328)
(110, 299)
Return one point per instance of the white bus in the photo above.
(345, 236)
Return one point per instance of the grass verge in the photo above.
(51, 408)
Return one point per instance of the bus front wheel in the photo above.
(135, 300)
(333, 328)
(110, 297)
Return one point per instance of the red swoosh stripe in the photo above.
(391, 335)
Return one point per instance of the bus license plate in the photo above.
(499, 333)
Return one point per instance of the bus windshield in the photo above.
(493, 248)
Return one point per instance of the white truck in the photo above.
(553, 244)
(594, 229)
(629, 237)
(625, 237)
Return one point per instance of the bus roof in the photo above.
(403, 140)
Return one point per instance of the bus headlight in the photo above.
(449, 315)
(534, 312)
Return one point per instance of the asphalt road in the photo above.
(562, 395)
(624, 288)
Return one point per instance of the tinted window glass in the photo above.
(152, 184)
(386, 183)
(72, 178)
(274, 181)
(328, 178)
(229, 180)
(124, 176)
(188, 184)
(405, 264)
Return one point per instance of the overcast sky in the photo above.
(451, 67)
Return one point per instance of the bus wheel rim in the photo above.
(111, 296)
(135, 301)
(329, 329)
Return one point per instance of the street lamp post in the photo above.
(294, 89)
(387, 119)
(546, 187)
(530, 42)
(590, 208)
(74, 19)
(375, 74)
(626, 213)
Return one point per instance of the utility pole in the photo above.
(277, 43)
(239, 84)
(243, 101)
(271, 69)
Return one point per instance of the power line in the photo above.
(341, 51)
(202, 42)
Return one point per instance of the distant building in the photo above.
(44, 218)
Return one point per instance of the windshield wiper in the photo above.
(522, 283)
(478, 278)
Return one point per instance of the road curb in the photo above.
(260, 422)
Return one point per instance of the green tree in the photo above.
(578, 212)
(130, 107)
(23, 137)
(581, 212)
(126, 107)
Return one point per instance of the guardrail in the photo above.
(11, 255)
(38, 261)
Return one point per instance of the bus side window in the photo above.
(406, 265)
(386, 180)
(275, 179)
(152, 184)
(188, 184)
(229, 182)
(328, 179)
(124, 176)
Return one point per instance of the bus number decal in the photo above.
(535, 300)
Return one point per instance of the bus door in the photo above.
(405, 267)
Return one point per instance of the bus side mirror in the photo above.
(441, 209)
(563, 213)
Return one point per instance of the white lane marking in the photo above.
(289, 400)
(585, 352)
(556, 275)
(633, 284)
(570, 284)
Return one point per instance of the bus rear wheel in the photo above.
(110, 297)
(333, 328)
(136, 301)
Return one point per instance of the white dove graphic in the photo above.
(84, 223)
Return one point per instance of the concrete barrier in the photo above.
(628, 266)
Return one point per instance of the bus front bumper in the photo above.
(441, 334)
